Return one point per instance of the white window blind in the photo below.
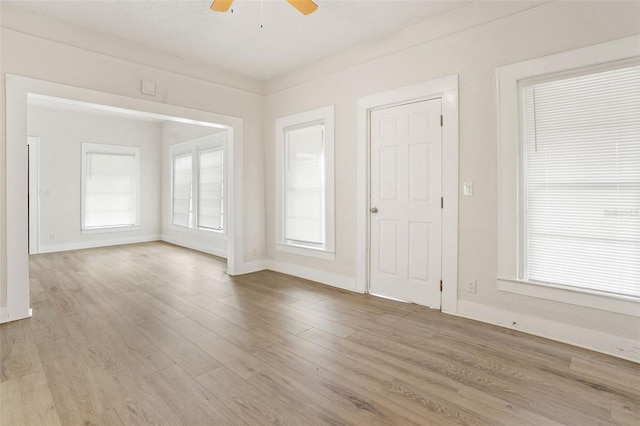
(182, 207)
(210, 188)
(304, 185)
(581, 217)
(110, 190)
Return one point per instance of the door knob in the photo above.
(374, 210)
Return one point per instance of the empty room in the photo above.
(340, 212)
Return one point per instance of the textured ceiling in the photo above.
(235, 41)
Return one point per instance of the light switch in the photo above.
(468, 188)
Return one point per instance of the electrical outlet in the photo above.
(471, 286)
(52, 237)
(254, 253)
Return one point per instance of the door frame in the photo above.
(445, 88)
(33, 142)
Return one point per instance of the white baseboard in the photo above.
(8, 316)
(99, 243)
(334, 280)
(573, 335)
(185, 242)
(249, 267)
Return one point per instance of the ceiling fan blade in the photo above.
(221, 5)
(305, 7)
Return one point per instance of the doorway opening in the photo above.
(102, 177)
(19, 92)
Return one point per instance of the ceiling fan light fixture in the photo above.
(305, 7)
(221, 5)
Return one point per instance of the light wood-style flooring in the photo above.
(156, 334)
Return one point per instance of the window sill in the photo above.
(204, 232)
(607, 302)
(110, 229)
(306, 251)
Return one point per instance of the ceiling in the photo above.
(235, 41)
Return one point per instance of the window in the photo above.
(571, 213)
(182, 173)
(581, 181)
(210, 188)
(110, 187)
(305, 183)
(197, 200)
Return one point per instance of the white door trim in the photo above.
(34, 194)
(447, 89)
(18, 89)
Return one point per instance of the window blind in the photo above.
(182, 209)
(304, 185)
(210, 188)
(110, 190)
(582, 181)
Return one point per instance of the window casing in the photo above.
(305, 193)
(110, 188)
(569, 227)
(198, 184)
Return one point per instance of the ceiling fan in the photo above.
(305, 7)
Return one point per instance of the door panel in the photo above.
(388, 259)
(406, 186)
(419, 251)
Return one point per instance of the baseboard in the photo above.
(7, 316)
(328, 278)
(249, 267)
(99, 243)
(573, 335)
(183, 242)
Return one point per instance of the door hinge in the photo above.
(441, 120)
(440, 285)
(442, 202)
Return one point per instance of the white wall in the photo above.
(61, 136)
(81, 58)
(474, 54)
(209, 242)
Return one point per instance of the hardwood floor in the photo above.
(156, 334)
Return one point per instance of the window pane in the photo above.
(210, 189)
(110, 190)
(182, 210)
(304, 185)
(582, 184)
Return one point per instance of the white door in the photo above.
(406, 214)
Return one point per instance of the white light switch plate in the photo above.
(468, 188)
